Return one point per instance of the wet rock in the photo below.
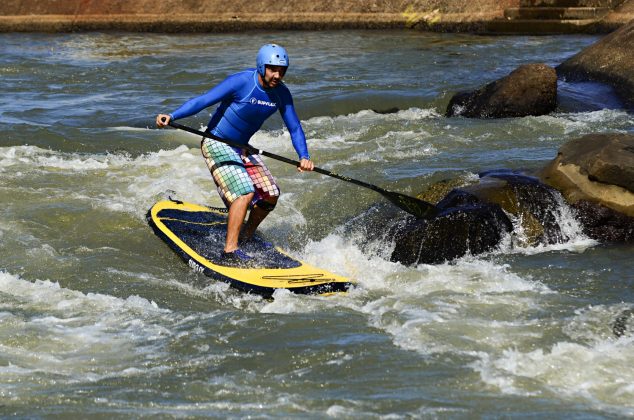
(464, 226)
(531, 89)
(438, 190)
(392, 110)
(610, 60)
(371, 228)
(597, 168)
(604, 224)
(536, 206)
(474, 218)
(619, 326)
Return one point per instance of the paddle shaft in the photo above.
(425, 209)
(253, 150)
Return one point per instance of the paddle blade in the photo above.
(415, 206)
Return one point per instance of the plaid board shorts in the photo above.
(236, 174)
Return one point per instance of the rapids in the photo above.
(99, 318)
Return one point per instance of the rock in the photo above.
(604, 224)
(606, 158)
(619, 326)
(531, 89)
(464, 226)
(438, 190)
(597, 168)
(392, 110)
(536, 206)
(475, 218)
(610, 60)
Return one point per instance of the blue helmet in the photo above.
(273, 55)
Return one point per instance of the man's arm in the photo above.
(221, 91)
(294, 126)
(297, 135)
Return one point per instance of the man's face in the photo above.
(273, 75)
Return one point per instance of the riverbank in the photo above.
(479, 16)
(229, 22)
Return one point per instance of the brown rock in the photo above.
(598, 168)
(610, 60)
(531, 89)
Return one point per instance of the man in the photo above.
(246, 100)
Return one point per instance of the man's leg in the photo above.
(266, 193)
(237, 213)
(257, 215)
(234, 186)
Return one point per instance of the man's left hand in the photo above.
(306, 165)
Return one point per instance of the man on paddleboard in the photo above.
(246, 100)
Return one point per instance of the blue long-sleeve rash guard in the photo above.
(244, 106)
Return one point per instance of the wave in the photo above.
(69, 336)
(485, 314)
(587, 364)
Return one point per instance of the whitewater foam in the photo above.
(65, 335)
(572, 237)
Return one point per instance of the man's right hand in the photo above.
(305, 165)
(162, 120)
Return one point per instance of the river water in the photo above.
(98, 317)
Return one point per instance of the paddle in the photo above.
(418, 208)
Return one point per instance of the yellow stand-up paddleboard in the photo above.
(197, 234)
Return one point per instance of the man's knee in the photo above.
(267, 204)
